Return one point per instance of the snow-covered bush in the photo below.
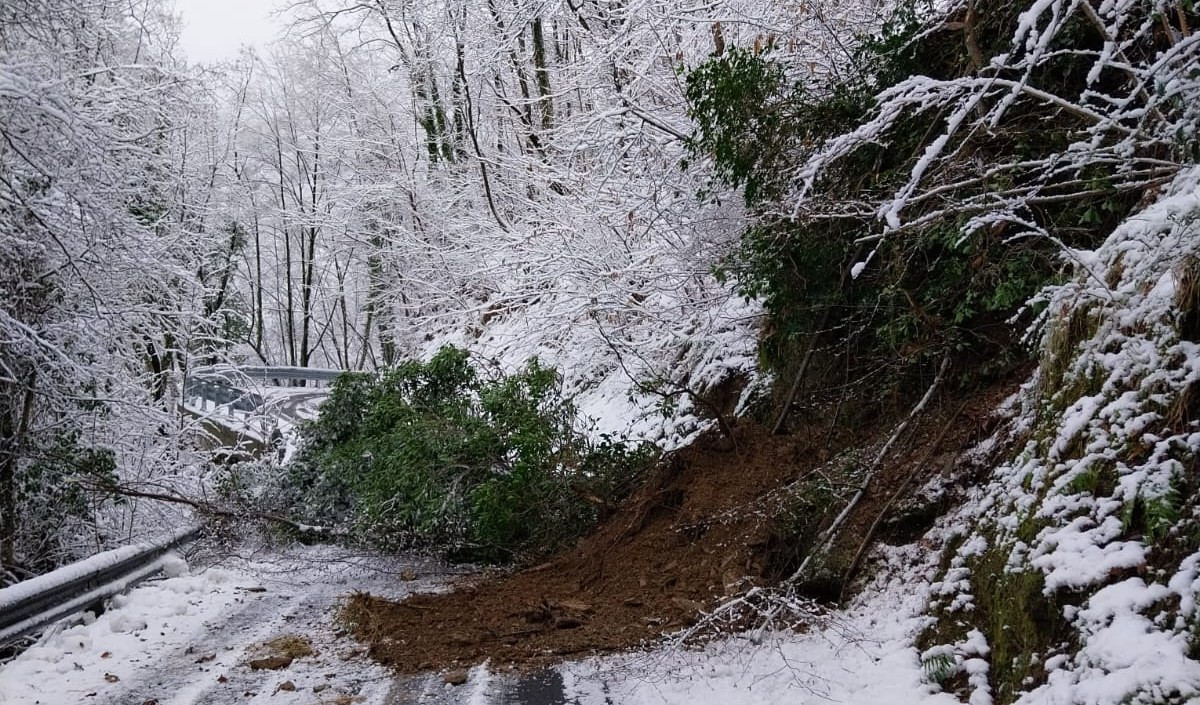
(821, 161)
(1071, 572)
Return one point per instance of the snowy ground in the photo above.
(292, 404)
(187, 639)
(862, 656)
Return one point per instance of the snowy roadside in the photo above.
(863, 655)
(190, 638)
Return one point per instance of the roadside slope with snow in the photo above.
(1077, 567)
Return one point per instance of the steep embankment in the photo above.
(1072, 559)
(1055, 143)
(1073, 571)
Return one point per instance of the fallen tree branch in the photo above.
(219, 511)
(866, 540)
(827, 536)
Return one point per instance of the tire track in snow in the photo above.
(186, 640)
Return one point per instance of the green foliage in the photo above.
(55, 493)
(147, 211)
(443, 456)
(1021, 624)
(1098, 480)
(51, 483)
(946, 286)
(1018, 620)
(940, 668)
(740, 102)
(1152, 517)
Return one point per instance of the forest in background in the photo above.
(388, 178)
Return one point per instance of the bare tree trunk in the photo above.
(469, 112)
(524, 111)
(289, 311)
(308, 255)
(259, 326)
(307, 286)
(437, 113)
(376, 285)
(543, 75)
(343, 310)
(13, 440)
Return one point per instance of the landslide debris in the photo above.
(711, 521)
(278, 653)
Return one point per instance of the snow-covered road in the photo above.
(292, 404)
(190, 639)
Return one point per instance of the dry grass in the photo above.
(288, 646)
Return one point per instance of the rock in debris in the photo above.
(271, 663)
(456, 677)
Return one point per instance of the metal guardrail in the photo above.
(224, 385)
(237, 375)
(307, 374)
(219, 391)
(38, 602)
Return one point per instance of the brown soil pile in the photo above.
(701, 528)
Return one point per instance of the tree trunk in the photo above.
(259, 326)
(524, 111)
(289, 311)
(13, 441)
(543, 75)
(308, 258)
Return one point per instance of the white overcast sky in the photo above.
(215, 29)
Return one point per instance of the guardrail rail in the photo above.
(38, 602)
(232, 387)
(307, 374)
